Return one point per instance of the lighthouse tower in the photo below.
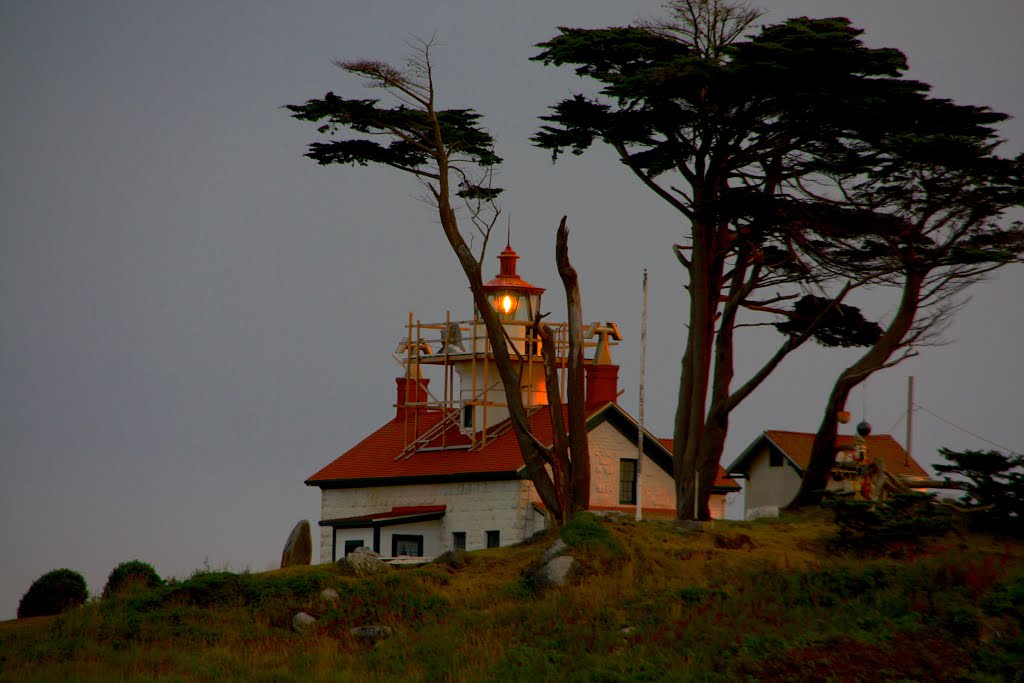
(464, 350)
(472, 394)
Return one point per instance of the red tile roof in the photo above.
(797, 447)
(380, 455)
(722, 480)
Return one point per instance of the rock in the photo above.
(770, 511)
(302, 622)
(555, 572)
(733, 541)
(556, 549)
(329, 595)
(362, 562)
(372, 634)
(453, 559)
(298, 549)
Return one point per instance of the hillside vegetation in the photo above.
(650, 601)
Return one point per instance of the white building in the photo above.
(446, 472)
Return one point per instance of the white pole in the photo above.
(910, 417)
(643, 374)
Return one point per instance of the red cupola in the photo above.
(513, 297)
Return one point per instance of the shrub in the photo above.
(884, 527)
(585, 532)
(53, 593)
(130, 576)
(993, 487)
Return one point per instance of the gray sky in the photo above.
(196, 318)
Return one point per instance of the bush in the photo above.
(130, 576)
(53, 593)
(585, 532)
(993, 487)
(886, 527)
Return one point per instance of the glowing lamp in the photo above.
(512, 297)
(506, 303)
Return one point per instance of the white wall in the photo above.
(473, 507)
(767, 485)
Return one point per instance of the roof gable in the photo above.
(796, 447)
(381, 458)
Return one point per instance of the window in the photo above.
(493, 539)
(459, 540)
(352, 545)
(774, 457)
(403, 544)
(627, 481)
(467, 416)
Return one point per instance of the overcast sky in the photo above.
(194, 318)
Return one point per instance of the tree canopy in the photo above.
(758, 138)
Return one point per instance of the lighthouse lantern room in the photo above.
(477, 401)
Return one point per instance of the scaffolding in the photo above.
(465, 343)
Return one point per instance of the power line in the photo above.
(898, 420)
(966, 431)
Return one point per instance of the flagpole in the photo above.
(643, 373)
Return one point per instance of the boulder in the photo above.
(453, 559)
(298, 549)
(329, 595)
(362, 562)
(302, 622)
(372, 634)
(556, 549)
(555, 572)
(769, 511)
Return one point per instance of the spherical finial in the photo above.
(864, 428)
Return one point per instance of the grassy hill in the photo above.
(760, 601)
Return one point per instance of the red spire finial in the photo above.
(508, 258)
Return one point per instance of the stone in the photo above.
(556, 571)
(733, 541)
(769, 511)
(372, 634)
(298, 549)
(302, 622)
(557, 548)
(329, 595)
(453, 559)
(362, 562)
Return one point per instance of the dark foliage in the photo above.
(886, 527)
(53, 593)
(131, 576)
(833, 324)
(994, 487)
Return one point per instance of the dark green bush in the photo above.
(885, 527)
(130, 576)
(585, 532)
(53, 593)
(993, 485)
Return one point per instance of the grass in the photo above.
(759, 601)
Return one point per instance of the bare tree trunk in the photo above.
(561, 467)
(578, 444)
(823, 452)
(689, 426)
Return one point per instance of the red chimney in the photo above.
(602, 384)
(410, 390)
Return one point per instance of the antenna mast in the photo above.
(910, 416)
(643, 374)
